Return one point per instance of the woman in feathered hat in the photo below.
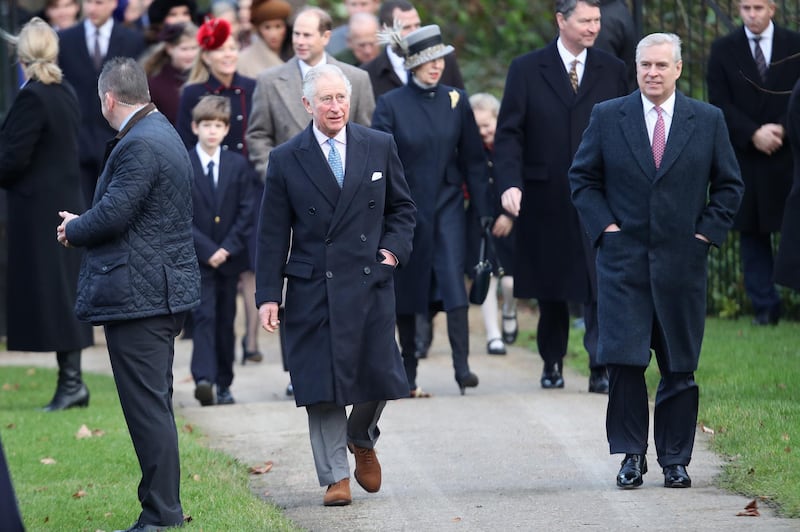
(441, 149)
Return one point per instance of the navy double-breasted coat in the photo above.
(441, 149)
(339, 312)
(654, 270)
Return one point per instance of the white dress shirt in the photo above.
(567, 58)
(206, 158)
(340, 141)
(765, 42)
(105, 35)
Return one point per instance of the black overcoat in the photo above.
(539, 128)
(787, 262)
(339, 312)
(39, 169)
(735, 87)
(441, 149)
(654, 270)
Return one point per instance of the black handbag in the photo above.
(483, 269)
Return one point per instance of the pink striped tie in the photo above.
(659, 137)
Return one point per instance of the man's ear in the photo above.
(307, 105)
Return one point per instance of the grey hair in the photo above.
(566, 7)
(485, 102)
(654, 39)
(125, 79)
(323, 71)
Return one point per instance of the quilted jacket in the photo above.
(140, 259)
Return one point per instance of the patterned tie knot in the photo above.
(335, 162)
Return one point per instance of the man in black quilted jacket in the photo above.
(140, 276)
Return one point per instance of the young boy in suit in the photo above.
(223, 221)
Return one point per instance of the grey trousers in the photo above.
(330, 430)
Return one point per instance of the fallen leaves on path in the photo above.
(48, 461)
(707, 430)
(8, 387)
(79, 494)
(260, 470)
(751, 510)
(188, 428)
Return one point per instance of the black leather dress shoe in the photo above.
(598, 381)
(224, 396)
(551, 377)
(767, 317)
(634, 466)
(675, 476)
(204, 392)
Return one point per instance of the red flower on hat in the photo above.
(213, 33)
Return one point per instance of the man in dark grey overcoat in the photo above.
(347, 236)
(652, 214)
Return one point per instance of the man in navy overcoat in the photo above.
(346, 237)
(539, 128)
(652, 215)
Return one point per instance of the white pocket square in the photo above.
(377, 175)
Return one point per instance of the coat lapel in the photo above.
(309, 156)
(680, 132)
(555, 75)
(223, 181)
(289, 87)
(635, 132)
(356, 161)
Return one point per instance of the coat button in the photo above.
(312, 210)
(329, 275)
(367, 271)
(239, 146)
(224, 146)
(237, 91)
(363, 238)
(239, 118)
(371, 204)
(105, 268)
(328, 241)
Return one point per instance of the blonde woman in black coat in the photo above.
(39, 170)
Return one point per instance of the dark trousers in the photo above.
(757, 263)
(213, 350)
(141, 353)
(457, 334)
(674, 417)
(552, 332)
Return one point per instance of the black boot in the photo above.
(70, 391)
(458, 333)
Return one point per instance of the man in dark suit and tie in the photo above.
(83, 49)
(548, 97)
(751, 72)
(656, 183)
(350, 222)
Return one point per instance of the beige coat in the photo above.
(256, 58)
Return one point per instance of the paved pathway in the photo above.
(507, 456)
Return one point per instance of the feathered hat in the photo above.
(418, 47)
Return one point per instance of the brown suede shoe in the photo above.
(368, 469)
(338, 494)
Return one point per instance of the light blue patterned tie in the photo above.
(335, 161)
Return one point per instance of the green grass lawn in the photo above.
(749, 381)
(92, 483)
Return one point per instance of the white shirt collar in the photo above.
(766, 35)
(105, 34)
(322, 138)
(305, 67)
(206, 158)
(566, 56)
(667, 107)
